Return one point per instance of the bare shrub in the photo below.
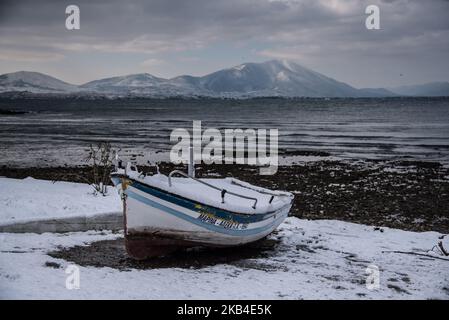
(100, 157)
(100, 161)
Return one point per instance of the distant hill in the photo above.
(123, 84)
(376, 92)
(432, 89)
(274, 78)
(34, 82)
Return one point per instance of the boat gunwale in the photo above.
(268, 214)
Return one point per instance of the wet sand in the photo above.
(112, 254)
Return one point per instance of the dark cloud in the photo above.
(319, 33)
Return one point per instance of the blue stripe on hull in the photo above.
(211, 227)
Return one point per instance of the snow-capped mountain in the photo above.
(271, 78)
(276, 78)
(34, 82)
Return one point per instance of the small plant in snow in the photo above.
(100, 156)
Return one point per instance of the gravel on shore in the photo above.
(408, 195)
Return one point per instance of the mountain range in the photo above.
(271, 78)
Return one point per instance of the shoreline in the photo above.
(407, 195)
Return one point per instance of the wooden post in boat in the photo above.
(124, 196)
(191, 170)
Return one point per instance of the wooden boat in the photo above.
(163, 213)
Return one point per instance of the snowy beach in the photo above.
(311, 260)
(302, 260)
(230, 151)
(25, 200)
(370, 179)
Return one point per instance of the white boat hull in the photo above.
(156, 220)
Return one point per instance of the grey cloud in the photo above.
(310, 30)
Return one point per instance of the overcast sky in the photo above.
(172, 37)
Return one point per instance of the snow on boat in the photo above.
(163, 213)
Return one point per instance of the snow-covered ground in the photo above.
(313, 260)
(23, 200)
(320, 259)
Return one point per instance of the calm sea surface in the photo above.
(57, 131)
